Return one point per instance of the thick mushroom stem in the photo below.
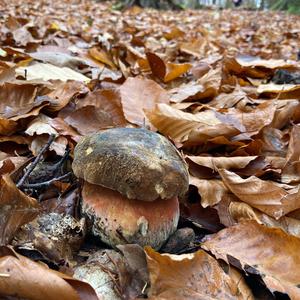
(119, 220)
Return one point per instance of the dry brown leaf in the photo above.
(157, 65)
(57, 58)
(7, 165)
(261, 194)
(240, 211)
(138, 95)
(22, 36)
(87, 120)
(211, 191)
(215, 163)
(195, 48)
(16, 209)
(194, 276)
(271, 251)
(173, 33)
(175, 70)
(58, 145)
(211, 83)
(185, 92)
(178, 124)
(108, 101)
(254, 121)
(282, 91)
(291, 173)
(102, 56)
(232, 99)
(250, 61)
(50, 72)
(64, 93)
(7, 127)
(285, 112)
(40, 125)
(64, 129)
(206, 218)
(17, 99)
(293, 153)
(166, 71)
(219, 134)
(23, 278)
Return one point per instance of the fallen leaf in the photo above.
(284, 91)
(262, 248)
(58, 59)
(18, 99)
(16, 209)
(64, 93)
(40, 125)
(178, 124)
(211, 191)
(138, 95)
(250, 61)
(264, 195)
(102, 56)
(58, 145)
(23, 278)
(240, 211)
(80, 120)
(108, 101)
(50, 72)
(191, 276)
(64, 129)
(215, 163)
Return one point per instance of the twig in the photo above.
(61, 162)
(46, 183)
(36, 160)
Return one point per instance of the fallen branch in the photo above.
(36, 160)
(46, 183)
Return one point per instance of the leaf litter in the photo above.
(222, 85)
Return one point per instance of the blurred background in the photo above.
(292, 6)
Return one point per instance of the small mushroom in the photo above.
(132, 178)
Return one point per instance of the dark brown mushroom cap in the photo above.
(136, 162)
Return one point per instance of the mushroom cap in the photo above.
(119, 220)
(138, 163)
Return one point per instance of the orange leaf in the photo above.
(100, 55)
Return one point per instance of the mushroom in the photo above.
(132, 180)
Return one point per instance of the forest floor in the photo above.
(222, 85)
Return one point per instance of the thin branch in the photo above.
(46, 183)
(36, 160)
(61, 162)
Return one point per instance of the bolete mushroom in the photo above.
(132, 178)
